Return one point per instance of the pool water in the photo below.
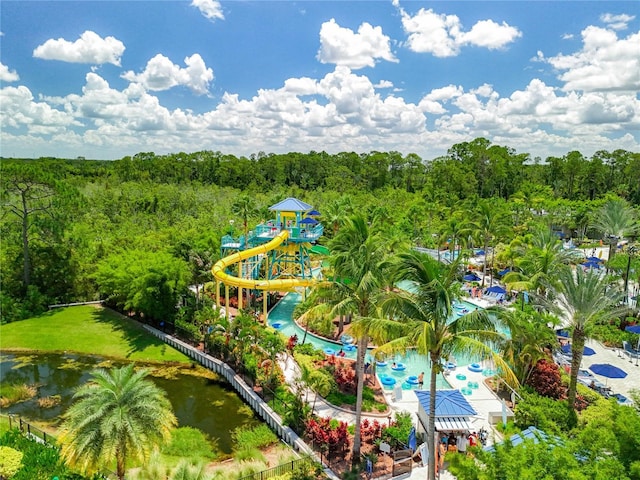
(282, 315)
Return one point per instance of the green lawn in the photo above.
(87, 329)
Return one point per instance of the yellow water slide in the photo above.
(276, 285)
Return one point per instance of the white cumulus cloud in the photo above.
(89, 48)
(210, 9)
(604, 63)
(7, 75)
(161, 73)
(617, 22)
(443, 35)
(343, 46)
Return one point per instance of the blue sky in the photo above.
(105, 79)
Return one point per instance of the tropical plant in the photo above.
(490, 222)
(580, 300)
(539, 264)
(615, 220)
(118, 415)
(528, 339)
(421, 319)
(244, 207)
(357, 262)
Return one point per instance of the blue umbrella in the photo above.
(633, 328)
(586, 351)
(314, 213)
(504, 272)
(591, 264)
(308, 221)
(607, 370)
(472, 277)
(496, 289)
(594, 259)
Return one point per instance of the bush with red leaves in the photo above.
(328, 438)
(545, 379)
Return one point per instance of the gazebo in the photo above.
(453, 411)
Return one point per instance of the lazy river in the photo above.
(281, 318)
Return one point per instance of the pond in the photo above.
(197, 401)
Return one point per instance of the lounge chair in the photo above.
(629, 351)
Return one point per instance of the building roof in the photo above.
(291, 205)
(449, 403)
(531, 433)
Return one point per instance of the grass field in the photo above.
(87, 329)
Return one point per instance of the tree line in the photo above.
(137, 231)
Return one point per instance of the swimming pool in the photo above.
(282, 314)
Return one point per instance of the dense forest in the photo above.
(139, 230)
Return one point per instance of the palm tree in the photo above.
(528, 339)
(490, 223)
(244, 207)
(118, 415)
(581, 300)
(539, 264)
(421, 320)
(615, 220)
(357, 260)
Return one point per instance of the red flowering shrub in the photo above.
(369, 431)
(545, 380)
(328, 438)
(345, 378)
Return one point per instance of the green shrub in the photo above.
(257, 437)
(39, 461)
(10, 461)
(398, 433)
(549, 415)
(189, 442)
(309, 349)
(248, 454)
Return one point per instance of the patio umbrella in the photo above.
(634, 329)
(308, 221)
(313, 213)
(591, 264)
(504, 272)
(593, 259)
(607, 370)
(472, 277)
(587, 351)
(496, 289)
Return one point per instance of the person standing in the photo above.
(421, 380)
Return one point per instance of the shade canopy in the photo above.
(496, 289)
(633, 328)
(532, 434)
(290, 205)
(586, 351)
(308, 221)
(449, 403)
(471, 277)
(594, 259)
(607, 370)
(504, 272)
(314, 213)
(591, 264)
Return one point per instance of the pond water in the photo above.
(197, 401)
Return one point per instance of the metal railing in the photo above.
(32, 432)
(278, 470)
